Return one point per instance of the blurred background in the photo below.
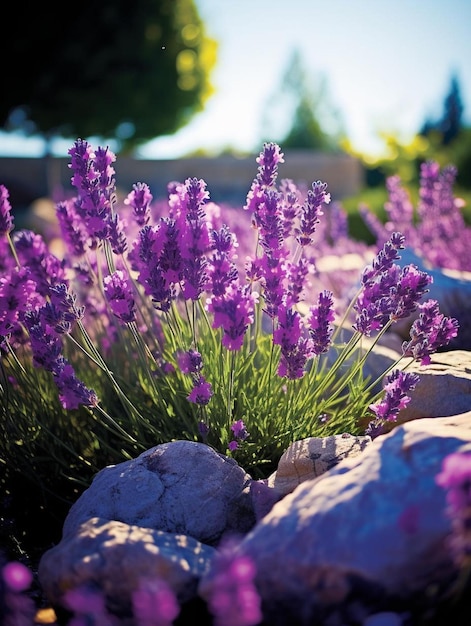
(354, 90)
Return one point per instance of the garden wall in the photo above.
(228, 177)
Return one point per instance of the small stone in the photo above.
(311, 457)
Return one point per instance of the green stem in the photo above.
(13, 250)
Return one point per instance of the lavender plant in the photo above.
(435, 228)
(151, 327)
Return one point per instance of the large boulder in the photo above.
(116, 558)
(368, 535)
(180, 487)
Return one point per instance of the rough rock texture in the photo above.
(370, 529)
(311, 457)
(115, 557)
(365, 542)
(178, 487)
(444, 388)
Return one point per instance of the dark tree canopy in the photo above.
(126, 69)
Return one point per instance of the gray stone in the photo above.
(179, 487)
(372, 528)
(115, 558)
(311, 457)
(444, 388)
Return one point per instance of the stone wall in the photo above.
(228, 177)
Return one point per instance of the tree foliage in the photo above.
(449, 125)
(110, 69)
(310, 120)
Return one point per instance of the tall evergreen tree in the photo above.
(449, 125)
(301, 108)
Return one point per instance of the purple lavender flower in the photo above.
(72, 391)
(290, 205)
(389, 292)
(88, 607)
(194, 238)
(296, 275)
(397, 387)
(429, 175)
(270, 223)
(71, 227)
(16, 606)
(94, 179)
(376, 302)
(203, 430)
(412, 286)
(158, 287)
(45, 268)
(140, 199)
(119, 293)
(45, 342)
(273, 274)
(233, 311)
(17, 576)
(384, 259)
(17, 294)
(240, 434)
(190, 362)
(374, 224)
(231, 594)
(311, 211)
(103, 159)
(222, 270)
(157, 258)
(116, 234)
(6, 217)
(202, 391)
(335, 223)
(47, 353)
(268, 160)
(429, 332)
(320, 317)
(295, 349)
(66, 302)
(399, 208)
(81, 160)
(154, 603)
(455, 478)
(168, 250)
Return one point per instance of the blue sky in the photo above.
(387, 65)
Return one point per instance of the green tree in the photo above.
(302, 109)
(449, 126)
(113, 69)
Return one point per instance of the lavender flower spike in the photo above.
(320, 328)
(202, 391)
(119, 294)
(268, 161)
(398, 385)
(385, 258)
(230, 590)
(429, 332)
(139, 199)
(455, 477)
(311, 211)
(6, 218)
